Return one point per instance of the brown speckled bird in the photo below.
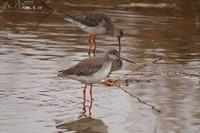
(92, 70)
(95, 24)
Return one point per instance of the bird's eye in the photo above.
(115, 53)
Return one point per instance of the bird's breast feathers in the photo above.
(95, 77)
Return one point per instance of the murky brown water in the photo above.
(33, 99)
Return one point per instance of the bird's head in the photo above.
(114, 54)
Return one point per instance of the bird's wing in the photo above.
(84, 68)
(89, 19)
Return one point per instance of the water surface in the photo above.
(33, 99)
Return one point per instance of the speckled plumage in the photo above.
(91, 70)
(91, 20)
(94, 24)
(84, 68)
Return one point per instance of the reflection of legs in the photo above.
(84, 99)
(90, 100)
(94, 43)
(90, 44)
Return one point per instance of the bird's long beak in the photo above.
(126, 59)
(119, 40)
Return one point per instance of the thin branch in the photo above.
(45, 5)
(140, 68)
(197, 23)
(141, 101)
(189, 74)
(48, 14)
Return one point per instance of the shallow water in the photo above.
(33, 99)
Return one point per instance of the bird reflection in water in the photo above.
(84, 125)
(84, 103)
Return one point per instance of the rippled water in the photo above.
(33, 99)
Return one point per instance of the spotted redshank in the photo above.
(95, 24)
(92, 70)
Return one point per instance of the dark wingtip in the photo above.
(69, 14)
(60, 73)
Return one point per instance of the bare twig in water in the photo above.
(45, 5)
(48, 14)
(141, 101)
(140, 68)
(189, 74)
(197, 23)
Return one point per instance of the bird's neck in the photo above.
(108, 59)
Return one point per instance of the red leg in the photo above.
(84, 99)
(90, 44)
(94, 43)
(91, 91)
(91, 99)
(84, 91)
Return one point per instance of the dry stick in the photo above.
(49, 13)
(140, 67)
(152, 106)
(197, 23)
(189, 75)
(141, 101)
(45, 5)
